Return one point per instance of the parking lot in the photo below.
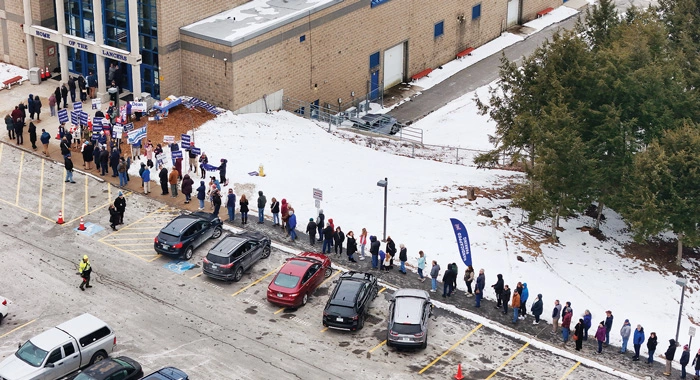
(165, 312)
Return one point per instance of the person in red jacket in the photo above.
(565, 326)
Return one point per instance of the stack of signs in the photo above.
(136, 135)
(63, 116)
(185, 141)
(75, 117)
(96, 103)
(83, 118)
(176, 154)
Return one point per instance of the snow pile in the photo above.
(8, 71)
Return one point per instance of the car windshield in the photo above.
(83, 376)
(286, 280)
(31, 354)
(344, 311)
(405, 329)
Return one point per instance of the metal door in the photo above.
(513, 12)
(394, 63)
(374, 85)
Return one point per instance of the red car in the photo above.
(298, 279)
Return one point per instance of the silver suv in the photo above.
(409, 312)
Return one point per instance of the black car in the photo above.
(347, 306)
(167, 373)
(121, 368)
(235, 254)
(187, 232)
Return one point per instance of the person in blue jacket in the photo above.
(637, 341)
(608, 326)
(201, 194)
(523, 301)
(292, 224)
(586, 323)
(146, 176)
(45, 138)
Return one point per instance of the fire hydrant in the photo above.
(261, 170)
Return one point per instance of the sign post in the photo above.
(691, 333)
(318, 197)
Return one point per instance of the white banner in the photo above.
(138, 106)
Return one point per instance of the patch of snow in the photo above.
(8, 71)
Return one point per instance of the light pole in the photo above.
(681, 282)
(385, 184)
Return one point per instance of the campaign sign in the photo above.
(176, 154)
(118, 129)
(63, 116)
(96, 104)
(186, 139)
(138, 106)
(129, 127)
(197, 151)
(169, 139)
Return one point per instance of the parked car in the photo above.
(187, 232)
(59, 351)
(4, 308)
(377, 123)
(347, 306)
(167, 373)
(121, 368)
(409, 312)
(235, 254)
(298, 278)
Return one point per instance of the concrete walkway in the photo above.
(473, 77)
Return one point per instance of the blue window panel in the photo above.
(439, 29)
(374, 3)
(302, 38)
(374, 60)
(476, 11)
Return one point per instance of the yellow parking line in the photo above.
(115, 232)
(508, 361)
(117, 239)
(324, 329)
(98, 208)
(24, 209)
(125, 251)
(153, 259)
(570, 370)
(19, 178)
(279, 311)
(257, 281)
(329, 277)
(150, 233)
(381, 290)
(86, 195)
(377, 346)
(18, 327)
(196, 275)
(138, 250)
(450, 349)
(142, 228)
(149, 242)
(41, 184)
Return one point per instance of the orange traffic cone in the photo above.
(82, 225)
(48, 73)
(43, 76)
(60, 218)
(459, 375)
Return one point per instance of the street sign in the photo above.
(318, 194)
(691, 331)
(318, 203)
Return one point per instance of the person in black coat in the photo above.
(327, 236)
(374, 251)
(338, 239)
(216, 201)
(651, 347)
(222, 172)
(310, 229)
(578, 334)
(104, 161)
(19, 131)
(163, 175)
(537, 309)
(32, 134)
(113, 217)
(120, 205)
(669, 355)
(71, 89)
(403, 257)
(505, 296)
(88, 154)
(57, 93)
(64, 95)
(498, 288)
(448, 280)
(352, 246)
(114, 161)
(390, 249)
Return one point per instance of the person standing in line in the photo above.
(479, 289)
(203, 160)
(19, 131)
(64, 95)
(96, 152)
(222, 172)
(81, 88)
(52, 104)
(262, 201)
(84, 270)
(10, 126)
(625, 332)
(320, 223)
(515, 304)
(374, 252)
(434, 272)
(421, 265)
(243, 205)
(670, 353)
(600, 336)
(163, 176)
(524, 296)
(608, 326)
(651, 347)
(311, 230)
(216, 201)
(469, 278)
(363, 243)
(637, 341)
(352, 246)
(578, 334)
(120, 205)
(32, 134)
(292, 224)
(338, 239)
(37, 107)
(506, 297)
(587, 317)
(566, 326)
(192, 158)
(71, 89)
(87, 150)
(121, 171)
(201, 194)
(391, 250)
(68, 163)
(230, 203)
(186, 187)
(327, 237)
(275, 210)
(104, 160)
(146, 177)
(403, 257)
(448, 281)
(45, 138)
(498, 288)
(57, 95)
(556, 313)
(172, 180)
(685, 359)
(696, 364)
(285, 215)
(92, 84)
(113, 159)
(113, 217)
(537, 309)
(30, 106)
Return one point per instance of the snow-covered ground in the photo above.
(8, 71)
(298, 156)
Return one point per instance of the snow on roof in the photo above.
(252, 19)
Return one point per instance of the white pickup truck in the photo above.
(62, 350)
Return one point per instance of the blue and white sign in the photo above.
(77, 106)
(176, 154)
(75, 117)
(186, 139)
(197, 151)
(83, 118)
(63, 116)
(129, 127)
(136, 135)
(462, 241)
(96, 103)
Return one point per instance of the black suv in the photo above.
(235, 254)
(187, 232)
(347, 306)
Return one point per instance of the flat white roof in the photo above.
(252, 19)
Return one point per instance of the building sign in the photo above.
(114, 55)
(79, 43)
(374, 3)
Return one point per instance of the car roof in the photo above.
(49, 339)
(297, 266)
(346, 292)
(179, 224)
(227, 245)
(358, 276)
(167, 373)
(408, 310)
(252, 235)
(412, 293)
(82, 324)
(106, 367)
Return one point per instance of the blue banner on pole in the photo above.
(197, 151)
(462, 241)
(136, 135)
(63, 116)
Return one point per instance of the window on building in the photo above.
(148, 40)
(374, 3)
(374, 60)
(302, 38)
(439, 29)
(476, 11)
